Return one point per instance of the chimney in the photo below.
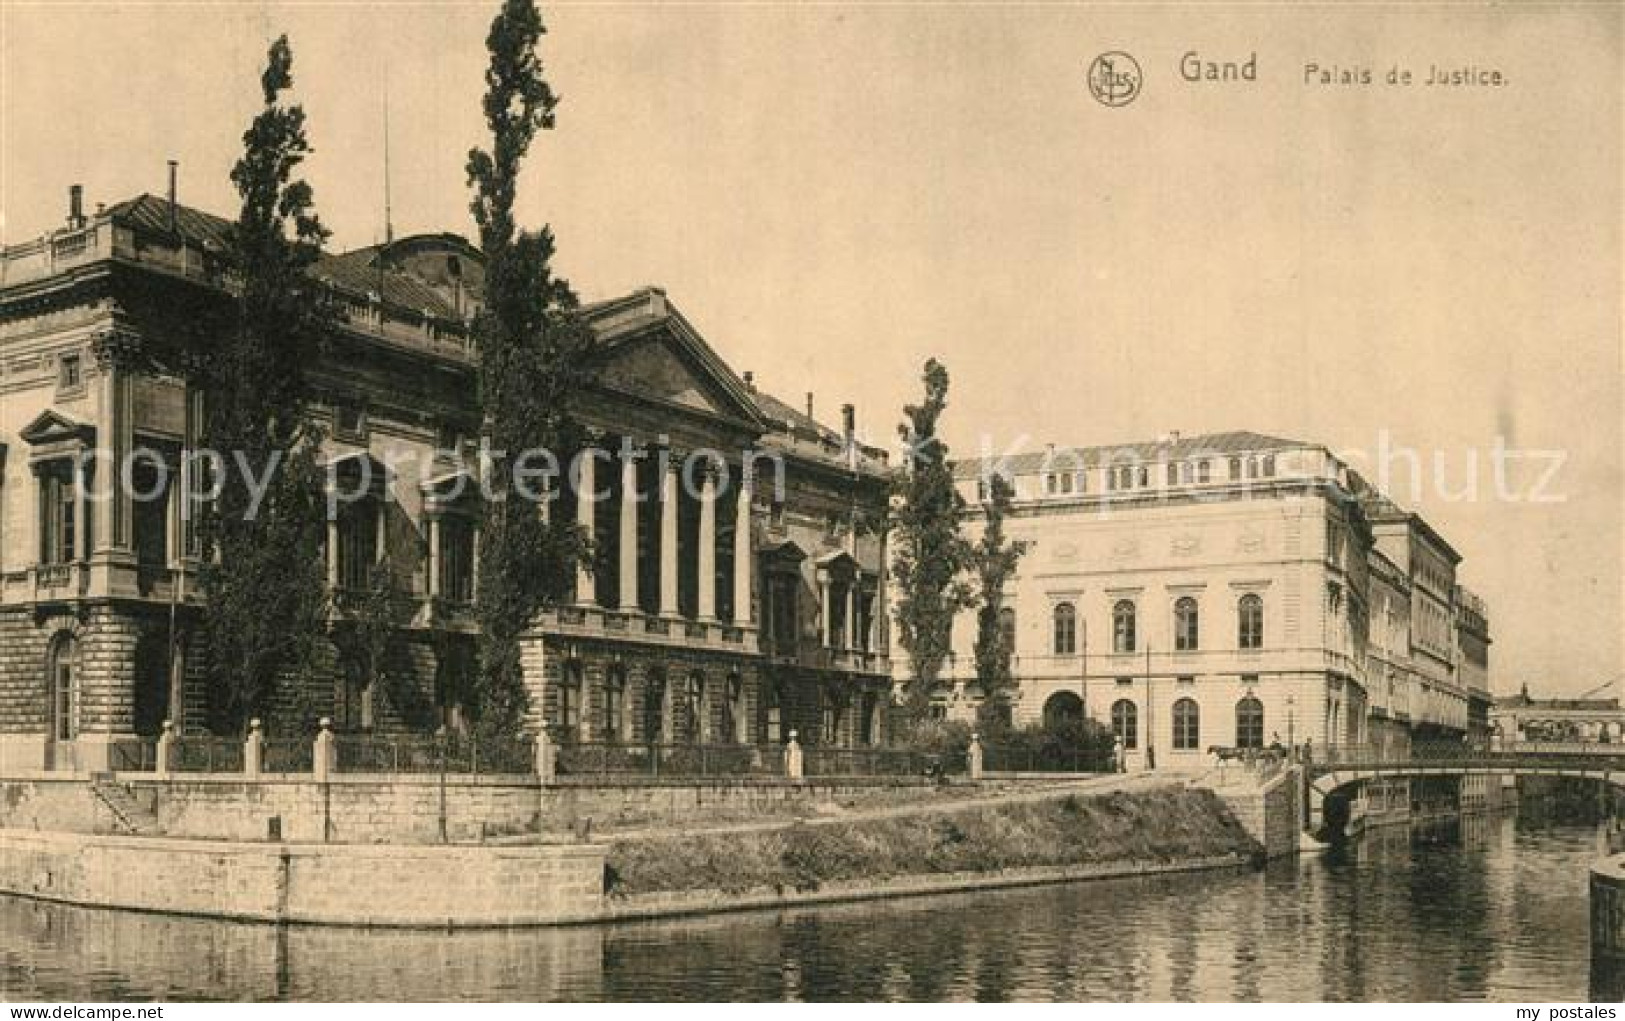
(849, 433)
(809, 404)
(173, 169)
(76, 206)
(750, 381)
(1173, 436)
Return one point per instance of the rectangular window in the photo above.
(456, 582)
(70, 372)
(59, 516)
(358, 545)
(149, 494)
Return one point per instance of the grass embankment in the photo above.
(1142, 827)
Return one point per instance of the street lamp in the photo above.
(1291, 739)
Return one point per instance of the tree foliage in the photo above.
(533, 349)
(931, 554)
(263, 571)
(994, 559)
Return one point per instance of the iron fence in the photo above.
(824, 761)
(287, 755)
(368, 753)
(997, 759)
(669, 760)
(133, 755)
(203, 754)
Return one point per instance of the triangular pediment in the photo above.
(650, 367)
(52, 426)
(649, 351)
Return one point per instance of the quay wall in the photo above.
(1270, 812)
(309, 883)
(1608, 908)
(357, 808)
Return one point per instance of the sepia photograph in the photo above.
(839, 501)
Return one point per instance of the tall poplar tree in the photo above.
(931, 555)
(994, 558)
(263, 573)
(532, 364)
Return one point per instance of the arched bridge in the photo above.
(1329, 770)
(1335, 767)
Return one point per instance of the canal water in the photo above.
(1487, 909)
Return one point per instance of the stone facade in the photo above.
(736, 559)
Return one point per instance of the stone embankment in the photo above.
(848, 848)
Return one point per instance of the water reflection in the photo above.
(1474, 911)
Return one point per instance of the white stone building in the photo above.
(1224, 590)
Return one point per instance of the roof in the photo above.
(353, 272)
(781, 413)
(1523, 701)
(1211, 444)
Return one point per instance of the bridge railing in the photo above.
(1457, 752)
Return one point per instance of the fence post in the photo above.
(547, 762)
(253, 749)
(973, 755)
(322, 757)
(165, 751)
(794, 768)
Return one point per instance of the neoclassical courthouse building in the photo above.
(733, 609)
(1229, 590)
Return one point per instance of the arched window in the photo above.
(615, 704)
(1007, 629)
(1066, 629)
(1250, 622)
(834, 709)
(694, 705)
(733, 709)
(1123, 626)
(1062, 708)
(1126, 722)
(64, 683)
(1186, 626)
(1249, 723)
(772, 713)
(570, 702)
(1187, 725)
(654, 707)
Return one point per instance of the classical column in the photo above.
(708, 544)
(742, 550)
(114, 437)
(668, 538)
(82, 533)
(629, 531)
(586, 581)
(852, 615)
(333, 553)
(378, 549)
(434, 556)
(824, 614)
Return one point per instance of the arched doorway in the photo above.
(154, 681)
(1061, 708)
(62, 690)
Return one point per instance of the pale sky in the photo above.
(834, 192)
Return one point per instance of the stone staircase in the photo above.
(129, 815)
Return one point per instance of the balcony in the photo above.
(60, 581)
(644, 628)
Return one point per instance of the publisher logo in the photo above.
(1114, 78)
